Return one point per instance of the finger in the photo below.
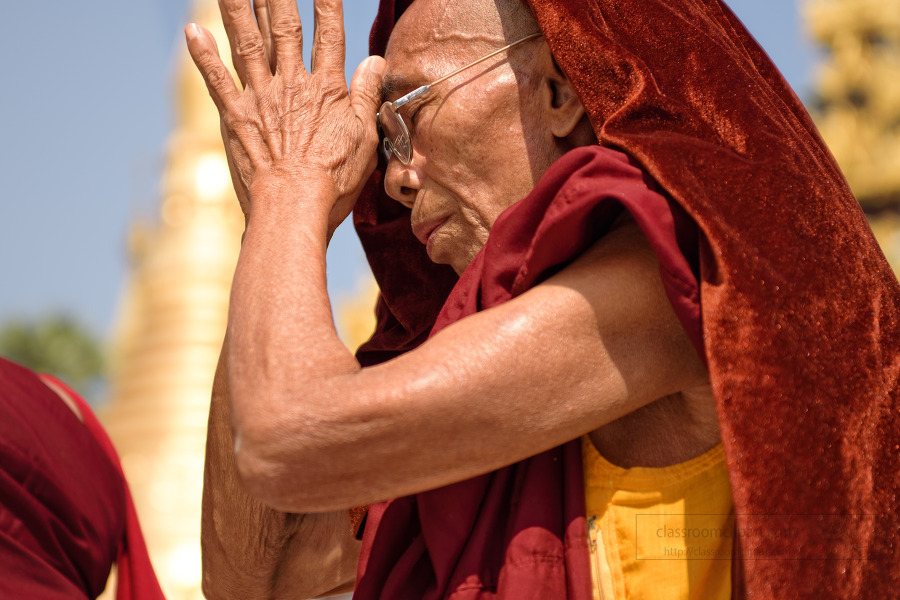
(205, 54)
(261, 10)
(287, 33)
(365, 93)
(247, 50)
(328, 39)
(236, 60)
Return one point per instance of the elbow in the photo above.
(296, 447)
(267, 443)
(212, 588)
(289, 471)
(262, 475)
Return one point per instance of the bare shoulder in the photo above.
(64, 396)
(674, 427)
(618, 285)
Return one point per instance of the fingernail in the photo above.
(192, 31)
(376, 66)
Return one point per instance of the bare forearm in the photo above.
(281, 126)
(251, 550)
(241, 538)
(284, 347)
(593, 343)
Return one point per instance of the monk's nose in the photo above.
(402, 182)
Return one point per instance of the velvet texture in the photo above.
(799, 309)
(65, 511)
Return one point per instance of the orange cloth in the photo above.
(659, 533)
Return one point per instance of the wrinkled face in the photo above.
(477, 141)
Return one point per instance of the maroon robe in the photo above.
(66, 514)
(793, 306)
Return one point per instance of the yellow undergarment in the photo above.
(659, 533)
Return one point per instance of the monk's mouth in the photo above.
(425, 231)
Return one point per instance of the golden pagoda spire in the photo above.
(859, 92)
(858, 106)
(170, 328)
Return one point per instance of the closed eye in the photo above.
(411, 111)
(413, 108)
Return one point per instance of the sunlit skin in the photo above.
(296, 426)
(470, 157)
(479, 142)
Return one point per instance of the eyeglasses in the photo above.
(396, 134)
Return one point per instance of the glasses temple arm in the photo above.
(484, 58)
(421, 90)
(411, 96)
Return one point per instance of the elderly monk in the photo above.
(664, 284)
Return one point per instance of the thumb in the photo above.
(365, 88)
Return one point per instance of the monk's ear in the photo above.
(562, 107)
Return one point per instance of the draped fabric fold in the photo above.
(795, 310)
(521, 532)
(135, 577)
(65, 510)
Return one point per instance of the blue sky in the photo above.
(87, 110)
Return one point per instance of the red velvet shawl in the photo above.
(65, 510)
(797, 305)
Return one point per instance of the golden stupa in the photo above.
(858, 104)
(170, 328)
(171, 324)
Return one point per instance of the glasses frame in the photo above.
(401, 145)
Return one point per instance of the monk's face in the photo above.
(476, 138)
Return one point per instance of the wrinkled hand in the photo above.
(290, 131)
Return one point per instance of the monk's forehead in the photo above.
(433, 34)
